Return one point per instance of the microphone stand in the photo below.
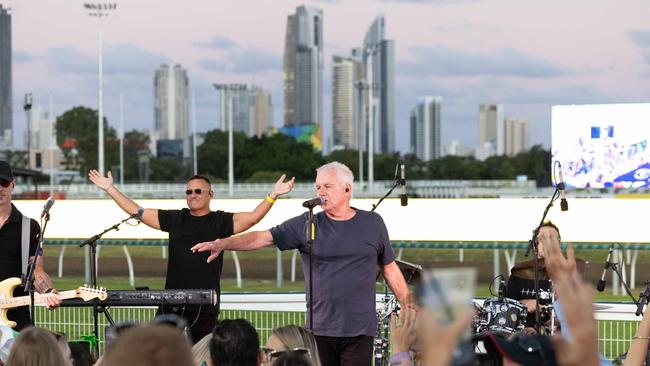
(532, 245)
(397, 183)
(616, 269)
(28, 282)
(92, 243)
(311, 231)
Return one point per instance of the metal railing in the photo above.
(267, 311)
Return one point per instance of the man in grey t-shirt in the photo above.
(348, 246)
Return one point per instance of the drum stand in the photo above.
(382, 340)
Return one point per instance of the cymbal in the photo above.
(412, 272)
(527, 269)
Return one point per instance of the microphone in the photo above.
(404, 200)
(47, 206)
(564, 205)
(313, 202)
(608, 264)
(643, 300)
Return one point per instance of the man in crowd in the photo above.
(235, 342)
(348, 245)
(187, 227)
(18, 234)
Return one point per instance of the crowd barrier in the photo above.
(266, 311)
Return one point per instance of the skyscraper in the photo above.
(379, 60)
(303, 67)
(171, 103)
(346, 72)
(491, 134)
(425, 128)
(251, 108)
(6, 124)
(516, 135)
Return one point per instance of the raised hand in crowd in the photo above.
(577, 304)
(636, 354)
(402, 336)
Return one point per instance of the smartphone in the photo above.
(447, 293)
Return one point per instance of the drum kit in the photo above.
(496, 314)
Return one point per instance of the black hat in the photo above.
(525, 349)
(5, 171)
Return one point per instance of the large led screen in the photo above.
(602, 145)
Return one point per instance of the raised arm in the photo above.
(243, 221)
(149, 216)
(396, 282)
(248, 241)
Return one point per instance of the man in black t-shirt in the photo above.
(11, 256)
(187, 227)
(348, 246)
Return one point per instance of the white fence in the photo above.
(266, 311)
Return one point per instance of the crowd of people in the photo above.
(341, 248)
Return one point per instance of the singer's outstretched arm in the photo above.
(243, 221)
(149, 215)
(636, 354)
(247, 241)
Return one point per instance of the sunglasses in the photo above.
(270, 353)
(5, 183)
(196, 190)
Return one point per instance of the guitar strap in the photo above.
(24, 236)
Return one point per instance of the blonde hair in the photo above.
(343, 173)
(149, 345)
(36, 347)
(201, 351)
(293, 336)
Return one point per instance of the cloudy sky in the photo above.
(526, 55)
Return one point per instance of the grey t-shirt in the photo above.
(346, 256)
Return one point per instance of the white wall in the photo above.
(588, 220)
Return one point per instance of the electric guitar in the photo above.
(7, 301)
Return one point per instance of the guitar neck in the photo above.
(15, 302)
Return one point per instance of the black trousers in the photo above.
(345, 351)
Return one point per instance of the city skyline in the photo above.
(468, 52)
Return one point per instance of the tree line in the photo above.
(263, 159)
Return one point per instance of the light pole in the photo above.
(100, 10)
(27, 106)
(226, 107)
(194, 158)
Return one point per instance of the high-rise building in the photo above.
(425, 128)
(250, 108)
(491, 134)
(516, 135)
(379, 60)
(6, 124)
(171, 112)
(303, 67)
(346, 100)
(44, 153)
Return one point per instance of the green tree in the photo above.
(76, 135)
(134, 142)
(16, 158)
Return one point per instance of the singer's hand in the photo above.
(215, 248)
(281, 187)
(103, 183)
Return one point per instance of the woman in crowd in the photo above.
(291, 339)
(36, 347)
(201, 352)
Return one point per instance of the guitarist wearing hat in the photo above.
(12, 259)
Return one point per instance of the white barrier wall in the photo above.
(588, 220)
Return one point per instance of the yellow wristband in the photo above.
(269, 199)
